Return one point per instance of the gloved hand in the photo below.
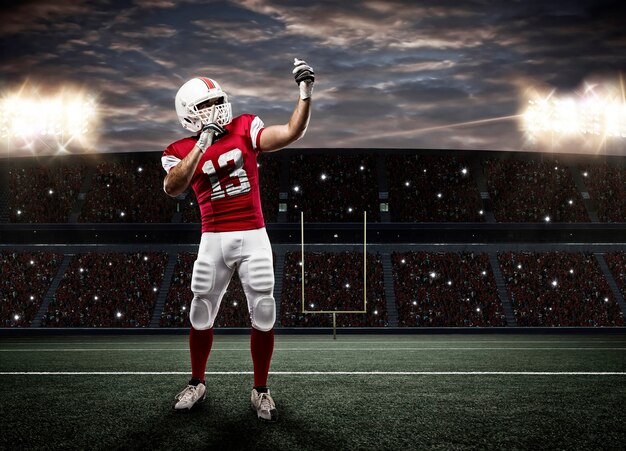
(210, 133)
(305, 77)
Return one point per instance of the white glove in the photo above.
(210, 133)
(305, 77)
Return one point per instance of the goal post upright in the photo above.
(334, 313)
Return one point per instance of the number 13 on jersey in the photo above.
(233, 160)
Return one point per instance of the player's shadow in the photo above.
(228, 424)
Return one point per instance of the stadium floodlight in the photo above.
(597, 110)
(67, 116)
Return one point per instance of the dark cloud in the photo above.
(389, 73)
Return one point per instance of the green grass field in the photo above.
(356, 392)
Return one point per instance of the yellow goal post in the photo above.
(334, 313)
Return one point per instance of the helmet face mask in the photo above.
(201, 101)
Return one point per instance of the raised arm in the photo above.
(276, 137)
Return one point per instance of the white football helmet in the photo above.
(201, 101)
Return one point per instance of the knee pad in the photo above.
(202, 313)
(261, 273)
(263, 314)
(203, 277)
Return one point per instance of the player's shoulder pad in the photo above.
(242, 124)
(181, 146)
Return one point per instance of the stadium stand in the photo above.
(558, 289)
(107, 290)
(269, 171)
(43, 194)
(523, 188)
(425, 188)
(531, 191)
(348, 183)
(445, 290)
(333, 281)
(605, 184)
(25, 279)
(127, 191)
(617, 265)
(190, 211)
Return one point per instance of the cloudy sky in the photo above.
(390, 74)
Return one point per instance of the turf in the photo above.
(318, 411)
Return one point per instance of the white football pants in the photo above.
(219, 255)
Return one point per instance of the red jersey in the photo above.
(226, 180)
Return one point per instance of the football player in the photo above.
(220, 165)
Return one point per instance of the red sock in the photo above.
(200, 342)
(261, 348)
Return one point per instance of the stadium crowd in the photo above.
(426, 188)
(107, 290)
(233, 309)
(44, 194)
(127, 192)
(333, 188)
(445, 290)
(533, 191)
(190, 211)
(269, 178)
(26, 277)
(617, 265)
(558, 289)
(606, 183)
(328, 188)
(333, 282)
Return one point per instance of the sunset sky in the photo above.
(390, 74)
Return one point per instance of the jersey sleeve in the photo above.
(170, 158)
(255, 127)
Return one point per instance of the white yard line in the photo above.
(320, 373)
(306, 341)
(186, 349)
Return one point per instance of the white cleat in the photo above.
(264, 406)
(190, 396)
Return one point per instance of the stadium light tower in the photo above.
(592, 114)
(34, 121)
